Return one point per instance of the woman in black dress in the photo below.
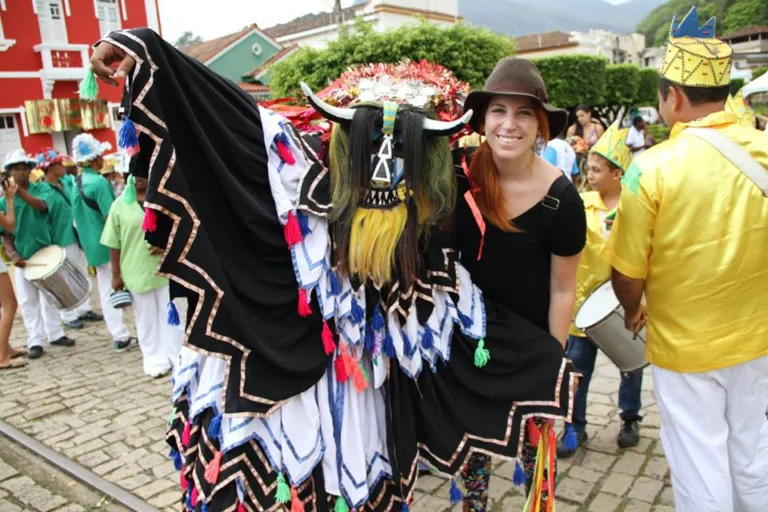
(522, 224)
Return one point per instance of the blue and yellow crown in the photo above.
(693, 56)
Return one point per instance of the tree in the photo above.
(647, 92)
(758, 72)
(187, 39)
(736, 85)
(470, 52)
(745, 13)
(573, 79)
(622, 84)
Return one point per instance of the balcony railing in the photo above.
(62, 61)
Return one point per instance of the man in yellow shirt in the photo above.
(607, 161)
(691, 232)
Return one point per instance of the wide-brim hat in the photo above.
(19, 157)
(515, 77)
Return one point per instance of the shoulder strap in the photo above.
(734, 153)
(551, 202)
(87, 200)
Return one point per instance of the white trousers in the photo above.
(112, 317)
(77, 257)
(160, 342)
(40, 318)
(715, 436)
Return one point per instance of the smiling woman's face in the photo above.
(511, 126)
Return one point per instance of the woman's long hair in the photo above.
(579, 127)
(484, 179)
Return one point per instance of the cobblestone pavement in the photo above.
(96, 407)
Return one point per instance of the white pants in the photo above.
(38, 314)
(715, 436)
(113, 317)
(160, 342)
(77, 257)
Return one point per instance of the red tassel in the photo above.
(194, 496)
(292, 230)
(341, 370)
(285, 152)
(357, 373)
(296, 503)
(212, 471)
(240, 507)
(533, 433)
(185, 435)
(150, 221)
(328, 343)
(184, 484)
(304, 308)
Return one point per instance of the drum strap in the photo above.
(87, 200)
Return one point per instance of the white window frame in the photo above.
(119, 7)
(12, 115)
(64, 5)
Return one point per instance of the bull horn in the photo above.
(445, 128)
(335, 114)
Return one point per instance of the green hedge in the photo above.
(574, 79)
(622, 83)
(647, 92)
(736, 85)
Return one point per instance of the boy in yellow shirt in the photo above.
(608, 159)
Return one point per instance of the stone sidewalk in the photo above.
(96, 407)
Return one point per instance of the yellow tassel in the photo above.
(373, 241)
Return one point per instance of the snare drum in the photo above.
(601, 317)
(64, 285)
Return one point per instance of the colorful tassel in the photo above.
(190, 506)
(482, 354)
(304, 224)
(89, 87)
(214, 429)
(184, 484)
(185, 435)
(281, 142)
(358, 314)
(283, 494)
(292, 230)
(335, 286)
(129, 192)
(370, 341)
(150, 221)
(455, 494)
(359, 378)
(173, 314)
(328, 344)
(534, 434)
(127, 138)
(193, 496)
(304, 308)
(378, 318)
(204, 508)
(465, 320)
(296, 503)
(212, 471)
(240, 507)
(341, 505)
(388, 347)
(570, 439)
(341, 370)
(172, 416)
(177, 462)
(519, 477)
(405, 508)
(428, 341)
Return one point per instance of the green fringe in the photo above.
(341, 505)
(283, 491)
(129, 193)
(631, 179)
(89, 87)
(482, 354)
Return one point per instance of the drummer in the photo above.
(32, 234)
(56, 189)
(92, 197)
(607, 161)
(691, 233)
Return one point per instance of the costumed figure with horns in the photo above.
(333, 341)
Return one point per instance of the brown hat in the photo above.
(515, 77)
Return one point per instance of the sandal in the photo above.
(18, 353)
(14, 364)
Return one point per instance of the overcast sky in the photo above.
(211, 19)
(215, 18)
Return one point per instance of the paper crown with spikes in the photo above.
(693, 57)
(613, 145)
(738, 106)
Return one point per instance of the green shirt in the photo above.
(32, 230)
(138, 267)
(89, 221)
(60, 217)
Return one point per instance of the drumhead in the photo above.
(596, 307)
(44, 262)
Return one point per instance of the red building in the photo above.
(44, 52)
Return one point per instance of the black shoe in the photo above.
(92, 316)
(570, 441)
(63, 342)
(629, 435)
(35, 352)
(75, 324)
(123, 345)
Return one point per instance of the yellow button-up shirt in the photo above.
(593, 270)
(696, 229)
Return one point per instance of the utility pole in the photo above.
(337, 14)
